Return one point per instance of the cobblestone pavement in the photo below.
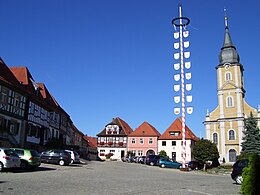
(104, 178)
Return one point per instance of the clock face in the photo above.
(227, 66)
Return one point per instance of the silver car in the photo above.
(8, 159)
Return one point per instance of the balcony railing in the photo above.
(112, 144)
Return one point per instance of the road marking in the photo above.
(199, 192)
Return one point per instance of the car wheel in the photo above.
(151, 163)
(1, 166)
(239, 179)
(61, 163)
(23, 164)
(163, 165)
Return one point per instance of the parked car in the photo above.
(74, 156)
(129, 159)
(29, 158)
(141, 159)
(237, 170)
(8, 159)
(194, 165)
(60, 157)
(152, 160)
(164, 162)
(135, 159)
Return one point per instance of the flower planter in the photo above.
(101, 143)
(120, 143)
(185, 169)
(110, 143)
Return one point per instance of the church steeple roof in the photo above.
(228, 53)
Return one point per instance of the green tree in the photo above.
(205, 150)
(163, 153)
(251, 176)
(251, 140)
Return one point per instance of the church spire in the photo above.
(228, 52)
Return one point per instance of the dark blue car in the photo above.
(164, 162)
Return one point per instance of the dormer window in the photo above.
(175, 133)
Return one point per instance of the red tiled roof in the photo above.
(92, 141)
(176, 126)
(126, 129)
(48, 97)
(145, 130)
(7, 76)
(24, 76)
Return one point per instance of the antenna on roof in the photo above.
(226, 18)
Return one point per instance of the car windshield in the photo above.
(35, 153)
(10, 153)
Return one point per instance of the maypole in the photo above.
(182, 65)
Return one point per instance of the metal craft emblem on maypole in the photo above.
(182, 74)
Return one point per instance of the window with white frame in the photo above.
(141, 141)
(112, 151)
(150, 140)
(231, 135)
(215, 138)
(230, 101)
(173, 143)
(133, 140)
(163, 143)
(140, 152)
(228, 76)
(4, 95)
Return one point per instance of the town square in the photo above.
(119, 97)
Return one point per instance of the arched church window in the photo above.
(215, 138)
(230, 101)
(232, 155)
(231, 135)
(228, 76)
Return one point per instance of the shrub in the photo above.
(251, 175)
(108, 156)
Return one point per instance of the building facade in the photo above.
(113, 139)
(225, 125)
(144, 140)
(171, 141)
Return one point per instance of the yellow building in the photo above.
(225, 125)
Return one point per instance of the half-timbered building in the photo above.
(12, 108)
(113, 139)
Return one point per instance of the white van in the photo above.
(74, 156)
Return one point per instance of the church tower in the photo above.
(225, 125)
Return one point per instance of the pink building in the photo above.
(143, 141)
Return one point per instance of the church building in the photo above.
(225, 125)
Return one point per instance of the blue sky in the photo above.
(107, 58)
